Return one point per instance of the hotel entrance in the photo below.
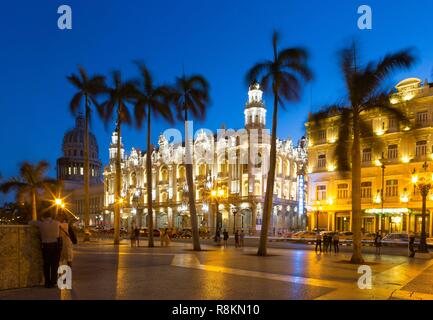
(342, 221)
(390, 220)
(368, 224)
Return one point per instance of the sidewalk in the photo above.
(104, 271)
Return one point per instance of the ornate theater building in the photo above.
(229, 187)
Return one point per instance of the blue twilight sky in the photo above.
(220, 39)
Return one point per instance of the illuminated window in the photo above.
(421, 148)
(422, 118)
(392, 124)
(69, 170)
(321, 192)
(321, 137)
(366, 155)
(366, 190)
(81, 170)
(321, 161)
(392, 151)
(342, 191)
(391, 189)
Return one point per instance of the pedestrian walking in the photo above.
(242, 236)
(378, 242)
(412, 246)
(137, 236)
(166, 237)
(226, 237)
(132, 236)
(51, 247)
(162, 237)
(237, 238)
(325, 242)
(318, 242)
(336, 241)
(66, 254)
(218, 237)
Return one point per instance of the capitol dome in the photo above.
(71, 165)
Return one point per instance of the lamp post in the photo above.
(217, 194)
(235, 211)
(383, 167)
(317, 208)
(424, 186)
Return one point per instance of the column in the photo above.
(430, 229)
(351, 221)
(253, 218)
(408, 223)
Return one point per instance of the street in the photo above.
(102, 271)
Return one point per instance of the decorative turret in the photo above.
(113, 147)
(255, 110)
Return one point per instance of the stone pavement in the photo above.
(103, 271)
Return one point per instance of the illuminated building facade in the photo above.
(388, 164)
(242, 182)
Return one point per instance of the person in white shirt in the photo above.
(50, 233)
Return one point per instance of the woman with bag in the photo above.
(66, 254)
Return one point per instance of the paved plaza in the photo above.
(104, 271)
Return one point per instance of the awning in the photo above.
(388, 211)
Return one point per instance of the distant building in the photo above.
(244, 184)
(404, 148)
(70, 170)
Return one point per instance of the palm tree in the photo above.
(89, 89)
(120, 95)
(282, 77)
(365, 92)
(30, 181)
(190, 94)
(151, 101)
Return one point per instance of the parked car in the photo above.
(144, 232)
(396, 237)
(328, 233)
(346, 235)
(123, 231)
(304, 235)
(185, 233)
(368, 236)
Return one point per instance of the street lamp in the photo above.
(58, 202)
(235, 211)
(217, 194)
(424, 186)
(382, 161)
(317, 208)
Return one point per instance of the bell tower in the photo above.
(255, 110)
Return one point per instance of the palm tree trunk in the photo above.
(191, 190)
(86, 170)
(267, 210)
(356, 192)
(149, 182)
(118, 186)
(34, 211)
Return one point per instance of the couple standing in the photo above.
(57, 239)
